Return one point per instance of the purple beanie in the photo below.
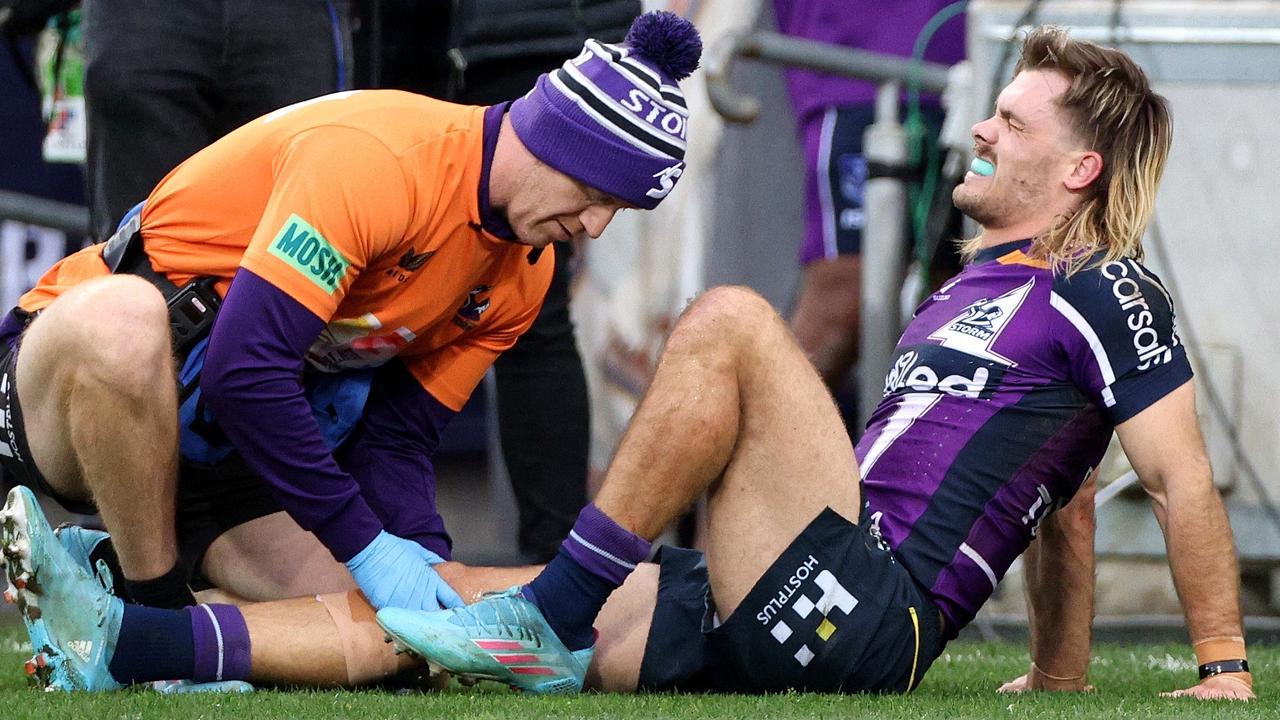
(614, 117)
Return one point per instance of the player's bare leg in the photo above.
(735, 407)
(96, 380)
(333, 640)
(623, 624)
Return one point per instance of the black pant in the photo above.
(165, 78)
(543, 420)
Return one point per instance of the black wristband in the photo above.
(1223, 666)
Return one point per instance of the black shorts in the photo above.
(211, 500)
(834, 613)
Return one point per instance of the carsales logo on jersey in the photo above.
(1139, 318)
(908, 373)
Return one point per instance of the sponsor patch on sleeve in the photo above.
(306, 250)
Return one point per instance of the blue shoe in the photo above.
(184, 687)
(72, 622)
(504, 637)
(80, 542)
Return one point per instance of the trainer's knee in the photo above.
(114, 329)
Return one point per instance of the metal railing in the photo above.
(71, 219)
(778, 49)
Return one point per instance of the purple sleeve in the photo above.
(11, 327)
(252, 383)
(390, 457)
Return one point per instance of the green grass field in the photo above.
(961, 685)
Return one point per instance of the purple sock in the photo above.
(153, 644)
(203, 643)
(597, 557)
(220, 643)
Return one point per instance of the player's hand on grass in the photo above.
(1019, 684)
(1227, 686)
(394, 572)
(1034, 679)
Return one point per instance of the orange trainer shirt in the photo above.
(364, 207)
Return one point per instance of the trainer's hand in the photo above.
(1227, 686)
(1034, 680)
(394, 572)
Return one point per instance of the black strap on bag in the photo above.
(192, 308)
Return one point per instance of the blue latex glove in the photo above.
(394, 572)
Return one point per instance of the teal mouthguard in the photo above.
(982, 167)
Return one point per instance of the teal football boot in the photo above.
(72, 622)
(80, 542)
(503, 637)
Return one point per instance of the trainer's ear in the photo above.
(1087, 169)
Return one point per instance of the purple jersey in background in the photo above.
(1003, 394)
(885, 26)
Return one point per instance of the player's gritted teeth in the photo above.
(567, 235)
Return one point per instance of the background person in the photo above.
(163, 80)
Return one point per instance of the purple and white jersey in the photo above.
(1001, 399)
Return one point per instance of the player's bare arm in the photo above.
(1058, 569)
(1166, 449)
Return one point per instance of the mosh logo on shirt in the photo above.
(306, 250)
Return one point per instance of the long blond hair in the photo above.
(1114, 111)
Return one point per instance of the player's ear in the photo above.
(1087, 169)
